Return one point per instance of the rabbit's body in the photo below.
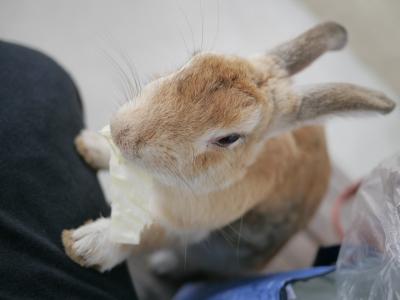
(217, 136)
(288, 177)
(288, 181)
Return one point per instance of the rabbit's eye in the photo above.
(227, 140)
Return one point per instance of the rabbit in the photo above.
(233, 147)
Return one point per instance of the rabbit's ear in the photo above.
(321, 100)
(336, 98)
(296, 54)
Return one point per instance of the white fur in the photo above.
(93, 244)
(163, 261)
(93, 148)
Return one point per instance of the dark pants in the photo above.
(45, 186)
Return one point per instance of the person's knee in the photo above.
(35, 87)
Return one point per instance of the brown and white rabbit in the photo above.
(222, 137)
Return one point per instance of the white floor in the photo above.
(159, 34)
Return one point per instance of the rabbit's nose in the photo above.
(126, 137)
(127, 141)
(120, 136)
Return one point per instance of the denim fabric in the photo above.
(269, 287)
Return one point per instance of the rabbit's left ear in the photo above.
(324, 99)
(336, 98)
(320, 100)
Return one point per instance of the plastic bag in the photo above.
(369, 260)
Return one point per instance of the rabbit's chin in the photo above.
(205, 183)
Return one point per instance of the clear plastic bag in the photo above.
(369, 260)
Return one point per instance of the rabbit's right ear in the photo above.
(296, 54)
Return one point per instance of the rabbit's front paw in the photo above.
(93, 148)
(90, 246)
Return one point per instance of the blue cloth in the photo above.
(267, 287)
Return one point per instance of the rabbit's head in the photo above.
(203, 125)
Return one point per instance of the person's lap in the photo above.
(45, 186)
